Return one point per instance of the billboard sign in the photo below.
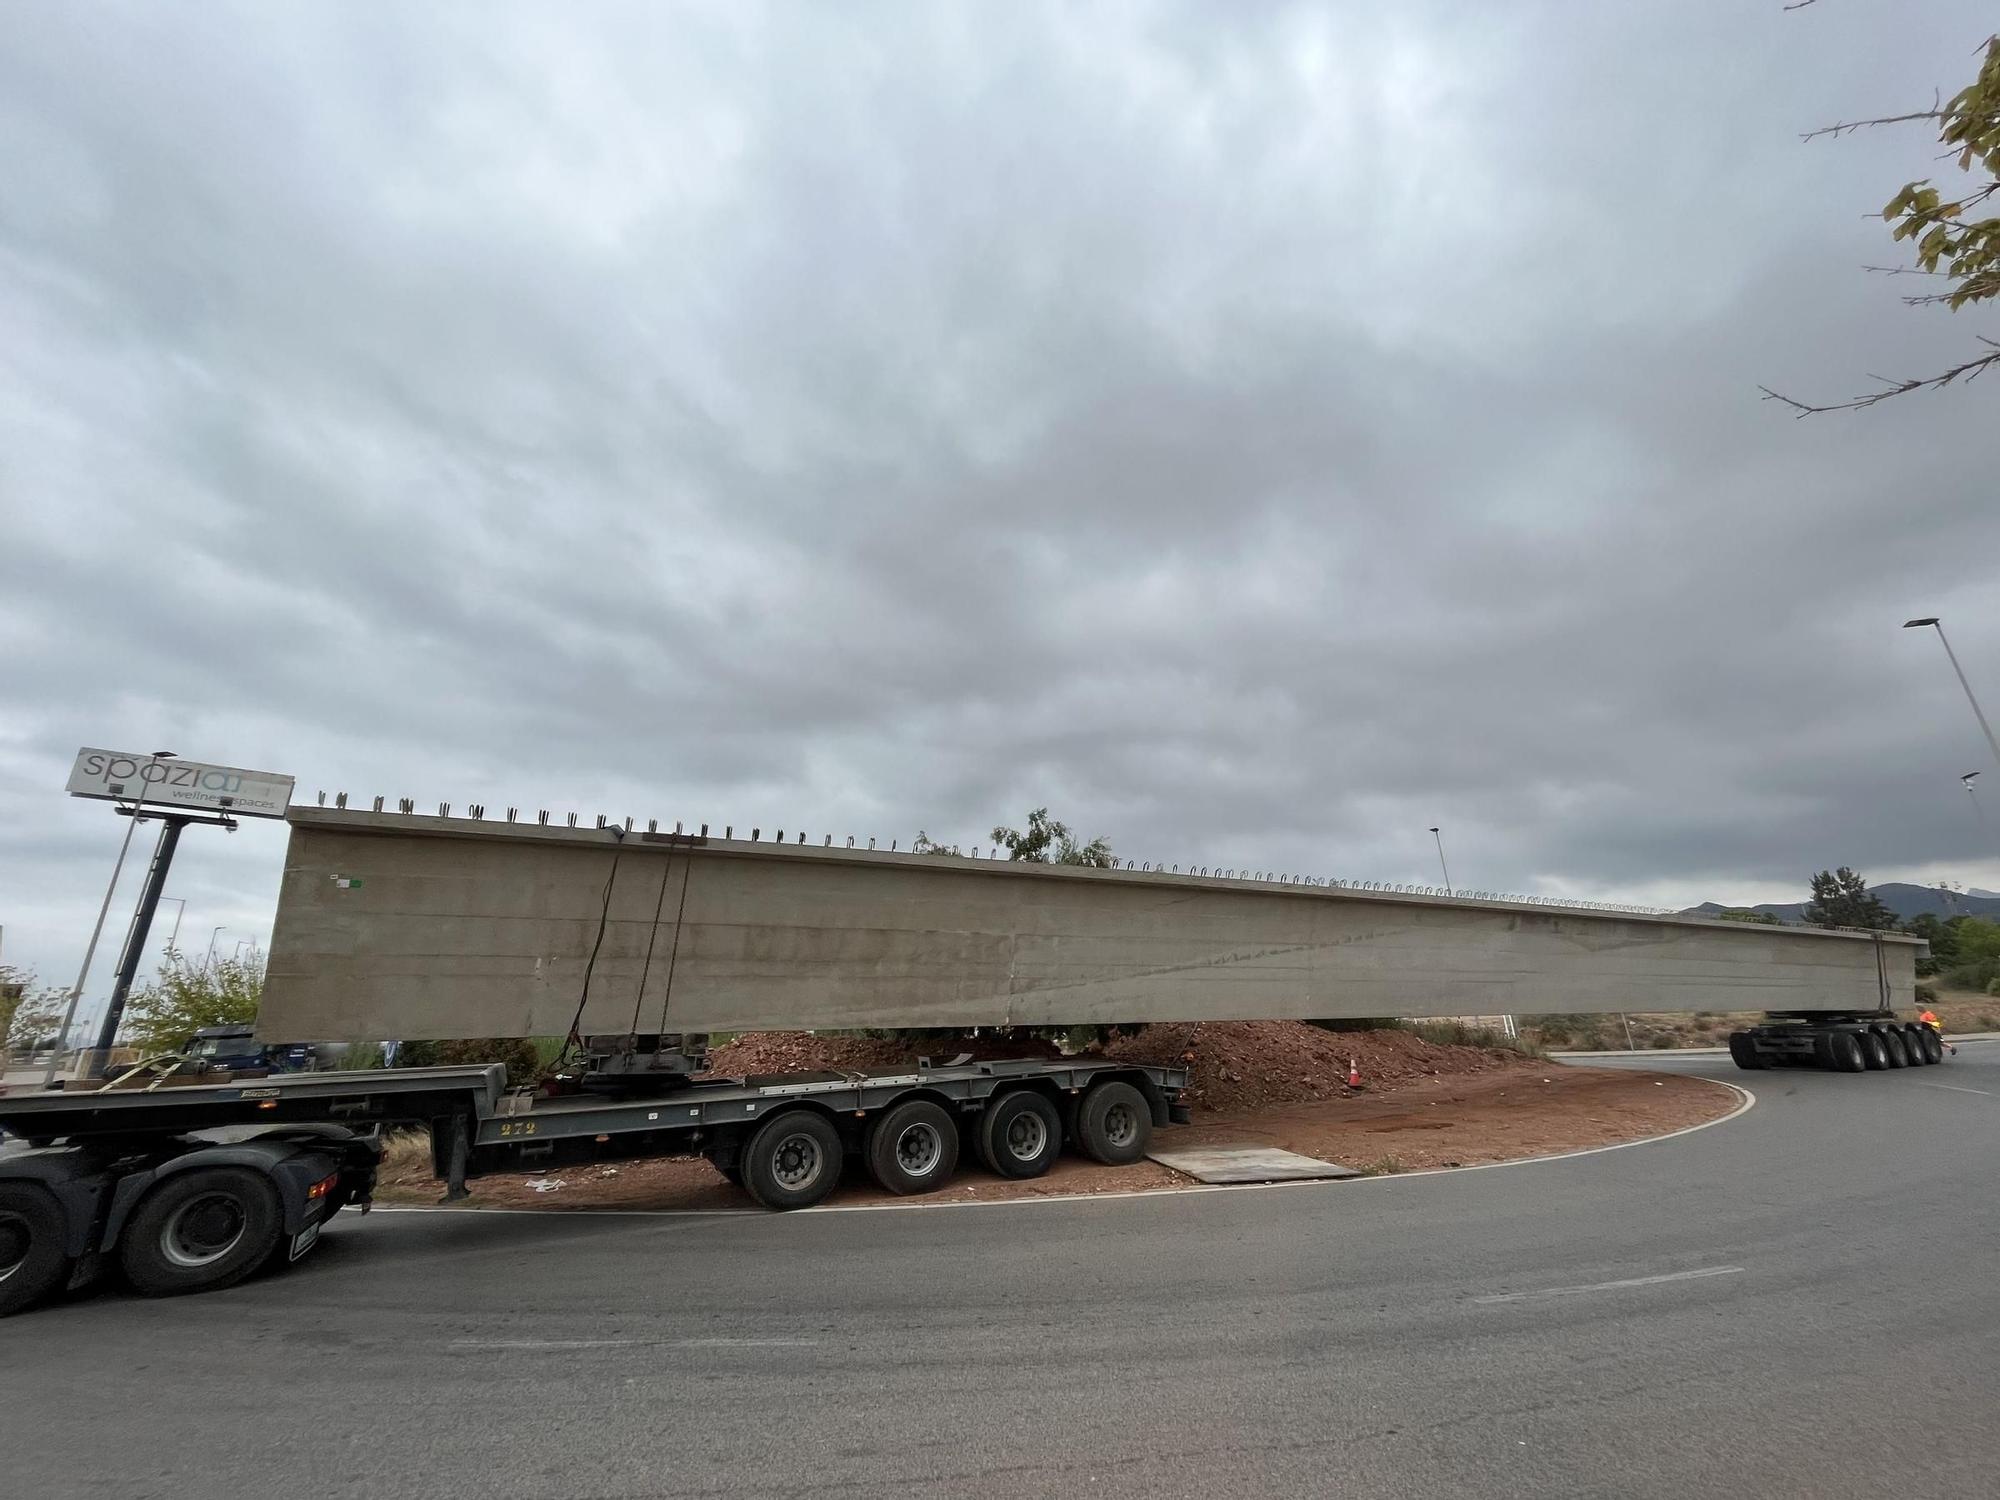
(117, 776)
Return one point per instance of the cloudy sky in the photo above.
(1259, 432)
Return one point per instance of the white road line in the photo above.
(632, 1343)
(1745, 1102)
(1611, 1286)
(1956, 1089)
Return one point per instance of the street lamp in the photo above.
(1977, 712)
(180, 910)
(210, 959)
(1441, 864)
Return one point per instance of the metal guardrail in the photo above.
(477, 812)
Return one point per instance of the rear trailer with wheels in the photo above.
(1837, 1043)
(788, 1138)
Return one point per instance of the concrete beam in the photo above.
(392, 925)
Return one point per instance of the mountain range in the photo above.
(1906, 901)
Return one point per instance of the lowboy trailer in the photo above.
(195, 1187)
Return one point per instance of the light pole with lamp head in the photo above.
(1977, 712)
(1966, 781)
(208, 961)
(1441, 864)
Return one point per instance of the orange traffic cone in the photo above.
(1353, 1073)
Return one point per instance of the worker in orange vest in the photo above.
(1929, 1018)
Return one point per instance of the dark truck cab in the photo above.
(235, 1049)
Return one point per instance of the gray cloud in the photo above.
(1259, 433)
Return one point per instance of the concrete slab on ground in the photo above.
(1248, 1164)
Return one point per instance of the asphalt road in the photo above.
(1831, 1328)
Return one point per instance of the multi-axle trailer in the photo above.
(194, 1187)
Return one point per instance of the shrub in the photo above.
(519, 1054)
(1660, 1040)
(1992, 987)
(1926, 994)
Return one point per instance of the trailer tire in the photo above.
(1744, 1052)
(1114, 1125)
(33, 1262)
(1847, 1054)
(1892, 1043)
(793, 1160)
(1873, 1053)
(201, 1230)
(1020, 1134)
(1932, 1043)
(913, 1148)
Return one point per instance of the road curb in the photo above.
(1745, 1101)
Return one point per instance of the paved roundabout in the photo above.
(1800, 1301)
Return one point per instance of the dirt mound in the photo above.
(1236, 1065)
(784, 1051)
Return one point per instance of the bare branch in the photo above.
(1970, 370)
(1935, 112)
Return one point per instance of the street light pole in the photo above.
(1441, 864)
(210, 959)
(1977, 712)
(180, 910)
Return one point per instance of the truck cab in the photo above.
(235, 1049)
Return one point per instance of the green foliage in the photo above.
(184, 997)
(1943, 938)
(1926, 994)
(360, 1057)
(1951, 244)
(1965, 251)
(521, 1055)
(925, 844)
(1745, 914)
(1841, 898)
(1993, 987)
(1049, 842)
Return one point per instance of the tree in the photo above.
(1960, 250)
(29, 1012)
(1942, 937)
(1745, 914)
(184, 997)
(1841, 898)
(1048, 842)
(925, 844)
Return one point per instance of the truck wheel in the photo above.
(1892, 1043)
(1933, 1044)
(32, 1261)
(1020, 1134)
(913, 1148)
(1114, 1124)
(1873, 1054)
(793, 1161)
(1847, 1054)
(1919, 1040)
(1743, 1052)
(201, 1230)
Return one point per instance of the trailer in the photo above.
(193, 1186)
(1842, 1043)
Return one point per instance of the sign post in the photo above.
(189, 788)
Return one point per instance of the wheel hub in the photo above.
(1026, 1135)
(1120, 1126)
(797, 1162)
(918, 1149)
(202, 1230)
